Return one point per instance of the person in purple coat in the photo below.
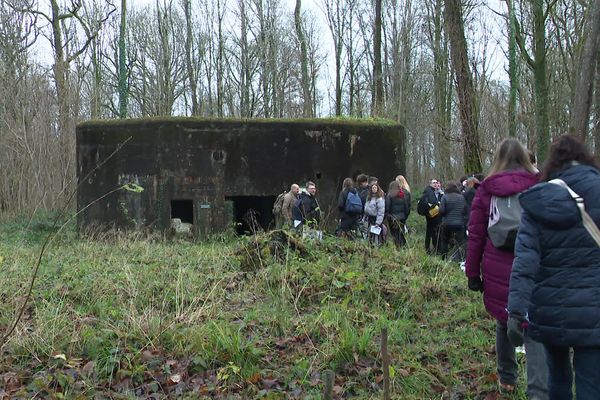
(488, 268)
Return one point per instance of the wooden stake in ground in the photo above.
(328, 378)
(386, 364)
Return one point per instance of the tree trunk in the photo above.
(513, 72)
(191, 70)
(123, 86)
(305, 82)
(584, 86)
(540, 81)
(464, 85)
(596, 129)
(244, 64)
(378, 106)
(338, 78)
(441, 89)
(220, 62)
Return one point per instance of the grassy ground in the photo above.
(123, 316)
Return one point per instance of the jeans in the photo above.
(508, 368)
(586, 364)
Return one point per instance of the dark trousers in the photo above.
(397, 232)
(432, 235)
(587, 374)
(452, 237)
(508, 368)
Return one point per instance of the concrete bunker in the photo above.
(222, 174)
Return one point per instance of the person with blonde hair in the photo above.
(403, 183)
(397, 208)
(490, 254)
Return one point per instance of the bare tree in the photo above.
(189, 50)
(335, 12)
(378, 104)
(580, 113)
(123, 83)
(307, 107)
(464, 84)
(539, 69)
(158, 64)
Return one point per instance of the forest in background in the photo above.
(426, 64)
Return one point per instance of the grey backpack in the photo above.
(504, 221)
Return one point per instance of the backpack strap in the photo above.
(588, 222)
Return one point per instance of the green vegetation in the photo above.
(125, 316)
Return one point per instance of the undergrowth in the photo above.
(127, 316)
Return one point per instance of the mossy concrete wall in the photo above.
(208, 160)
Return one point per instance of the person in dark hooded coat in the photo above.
(555, 280)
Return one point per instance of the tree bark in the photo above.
(191, 70)
(378, 106)
(305, 82)
(441, 91)
(464, 85)
(245, 64)
(584, 86)
(122, 84)
(335, 16)
(540, 80)
(220, 60)
(513, 72)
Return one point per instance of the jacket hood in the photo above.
(507, 183)
(551, 204)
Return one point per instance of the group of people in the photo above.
(299, 206)
(533, 249)
(363, 208)
(446, 212)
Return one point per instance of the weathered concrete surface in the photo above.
(209, 160)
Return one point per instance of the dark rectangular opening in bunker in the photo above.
(183, 209)
(252, 212)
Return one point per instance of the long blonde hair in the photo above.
(403, 182)
(511, 155)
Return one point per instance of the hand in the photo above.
(475, 284)
(514, 329)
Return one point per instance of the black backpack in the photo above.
(422, 205)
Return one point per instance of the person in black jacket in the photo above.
(348, 219)
(431, 198)
(397, 209)
(555, 279)
(362, 185)
(454, 212)
(307, 207)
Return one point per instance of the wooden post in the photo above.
(328, 378)
(386, 364)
